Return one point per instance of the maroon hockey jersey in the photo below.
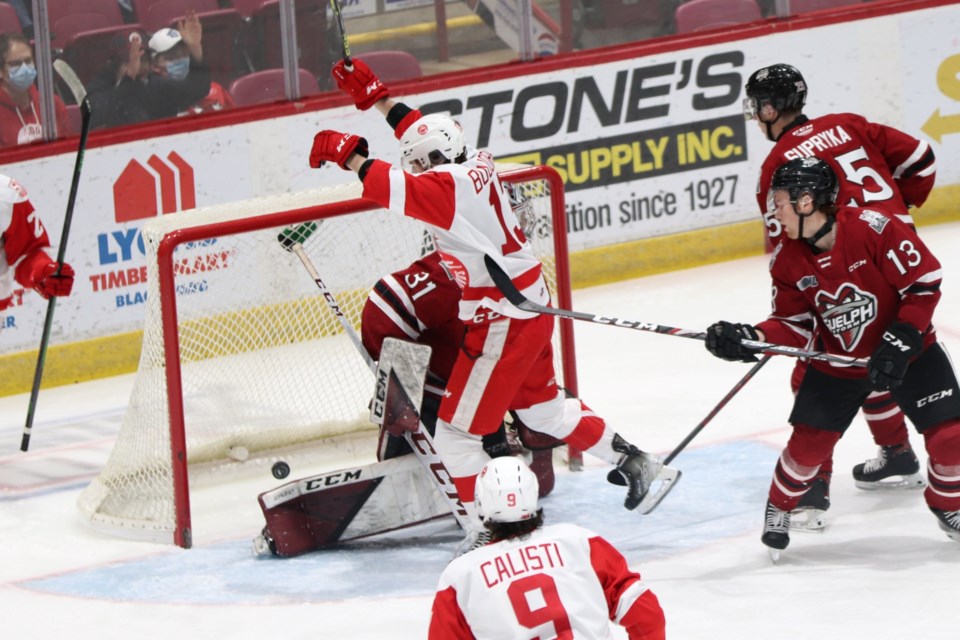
(878, 272)
(420, 304)
(877, 166)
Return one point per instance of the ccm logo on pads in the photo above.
(946, 393)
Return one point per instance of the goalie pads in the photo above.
(348, 504)
(399, 385)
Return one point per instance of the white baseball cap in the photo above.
(164, 40)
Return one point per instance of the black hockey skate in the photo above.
(637, 470)
(776, 531)
(949, 521)
(895, 467)
(810, 514)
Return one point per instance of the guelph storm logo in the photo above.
(847, 313)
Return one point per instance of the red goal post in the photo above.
(244, 364)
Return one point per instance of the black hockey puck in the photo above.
(280, 470)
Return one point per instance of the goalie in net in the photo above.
(505, 362)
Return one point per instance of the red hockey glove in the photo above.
(37, 271)
(361, 84)
(333, 146)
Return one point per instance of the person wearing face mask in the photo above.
(178, 78)
(20, 121)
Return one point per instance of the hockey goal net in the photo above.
(244, 363)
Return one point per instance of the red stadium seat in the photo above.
(393, 66)
(698, 15)
(68, 17)
(9, 22)
(263, 45)
(153, 19)
(265, 86)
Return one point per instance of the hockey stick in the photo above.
(506, 286)
(344, 45)
(420, 441)
(69, 76)
(52, 303)
(720, 405)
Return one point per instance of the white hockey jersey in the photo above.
(21, 233)
(561, 581)
(470, 213)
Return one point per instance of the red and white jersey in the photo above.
(877, 166)
(470, 213)
(419, 303)
(878, 272)
(21, 233)
(561, 581)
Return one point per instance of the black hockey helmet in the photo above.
(779, 85)
(807, 175)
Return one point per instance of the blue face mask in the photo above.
(23, 76)
(178, 69)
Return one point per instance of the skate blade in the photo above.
(912, 481)
(261, 548)
(952, 534)
(808, 520)
(659, 488)
(774, 554)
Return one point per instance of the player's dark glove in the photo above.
(360, 83)
(725, 340)
(333, 146)
(889, 361)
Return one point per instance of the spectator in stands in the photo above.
(163, 81)
(19, 99)
(24, 11)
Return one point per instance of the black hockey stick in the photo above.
(344, 45)
(420, 441)
(52, 303)
(720, 405)
(504, 284)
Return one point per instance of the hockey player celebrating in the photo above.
(421, 303)
(506, 359)
(878, 167)
(559, 581)
(23, 240)
(872, 285)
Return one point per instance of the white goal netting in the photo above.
(242, 358)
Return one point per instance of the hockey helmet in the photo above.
(433, 139)
(779, 85)
(807, 176)
(506, 491)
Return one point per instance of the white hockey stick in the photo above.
(506, 286)
(419, 440)
(71, 79)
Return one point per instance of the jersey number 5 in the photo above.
(539, 590)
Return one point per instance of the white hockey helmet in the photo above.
(431, 140)
(506, 491)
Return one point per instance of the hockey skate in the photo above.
(810, 514)
(776, 531)
(949, 521)
(263, 544)
(641, 472)
(893, 468)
